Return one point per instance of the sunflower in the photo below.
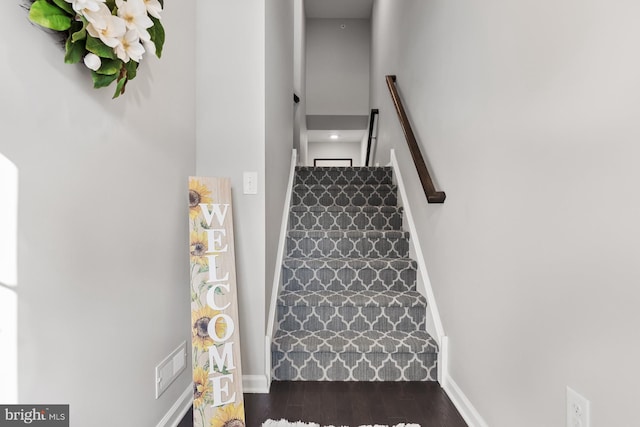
(198, 193)
(229, 416)
(201, 387)
(198, 247)
(200, 324)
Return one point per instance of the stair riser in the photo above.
(354, 366)
(345, 221)
(336, 196)
(384, 319)
(349, 176)
(313, 279)
(326, 247)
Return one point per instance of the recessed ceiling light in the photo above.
(333, 136)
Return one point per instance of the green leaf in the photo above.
(102, 80)
(132, 69)
(73, 51)
(157, 35)
(109, 66)
(102, 50)
(65, 6)
(81, 32)
(120, 87)
(79, 35)
(49, 16)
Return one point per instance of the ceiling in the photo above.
(352, 9)
(337, 9)
(343, 135)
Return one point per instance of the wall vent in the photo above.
(170, 368)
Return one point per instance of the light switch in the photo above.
(250, 182)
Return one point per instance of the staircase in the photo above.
(348, 309)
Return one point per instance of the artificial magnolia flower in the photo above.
(103, 25)
(134, 13)
(130, 47)
(109, 36)
(149, 46)
(92, 61)
(81, 5)
(153, 7)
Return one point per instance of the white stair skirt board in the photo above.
(277, 278)
(284, 423)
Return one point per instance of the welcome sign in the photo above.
(217, 375)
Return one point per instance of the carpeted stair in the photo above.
(349, 309)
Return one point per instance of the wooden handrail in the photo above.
(433, 196)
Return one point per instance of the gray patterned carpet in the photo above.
(349, 309)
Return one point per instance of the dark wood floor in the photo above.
(351, 404)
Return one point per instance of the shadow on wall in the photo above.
(8, 281)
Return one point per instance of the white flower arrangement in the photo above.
(109, 36)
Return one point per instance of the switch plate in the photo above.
(250, 182)
(578, 409)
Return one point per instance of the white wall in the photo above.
(300, 78)
(230, 130)
(527, 113)
(338, 66)
(279, 124)
(335, 150)
(102, 225)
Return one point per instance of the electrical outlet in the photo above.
(578, 410)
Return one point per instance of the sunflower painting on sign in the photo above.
(217, 376)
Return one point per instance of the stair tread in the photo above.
(342, 168)
(325, 341)
(353, 234)
(347, 187)
(351, 298)
(313, 262)
(350, 208)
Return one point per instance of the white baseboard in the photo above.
(462, 403)
(175, 414)
(255, 384)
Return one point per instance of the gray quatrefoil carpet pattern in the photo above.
(348, 309)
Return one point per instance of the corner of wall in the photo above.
(255, 384)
